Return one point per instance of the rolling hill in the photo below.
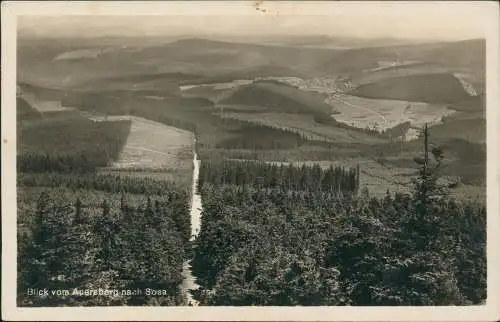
(246, 74)
(428, 88)
(187, 56)
(464, 54)
(164, 84)
(222, 60)
(279, 97)
(414, 68)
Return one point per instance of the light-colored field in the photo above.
(305, 125)
(153, 145)
(378, 114)
(383, 114)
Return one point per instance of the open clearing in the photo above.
(152, 145)
(382, 114)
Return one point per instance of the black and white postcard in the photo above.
(250, 160)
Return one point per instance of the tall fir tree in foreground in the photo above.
(424, 225)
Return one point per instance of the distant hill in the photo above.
(465, 54)
(428, 88)
(195, 55)
(323, 41)
(209, 58)
(163, 83)
(174, 77)
(246, 74)
(377, 74)
(279, 97)
(187, 56)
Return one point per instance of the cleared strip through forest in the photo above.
(151, 137)
(189, 282)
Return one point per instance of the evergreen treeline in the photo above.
(259, 136)
(113, 183)
(265, 136)
(72, 145)
(77, 161)
(68, 246)
(316, 154)
(284, 177)
(327, 120)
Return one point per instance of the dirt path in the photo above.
(189, 282)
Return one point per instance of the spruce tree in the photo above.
(424, 224)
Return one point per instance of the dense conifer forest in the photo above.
(75, 246)
(316, 248)
(108, 182)
(74, 145)
(84, 229)
(281, 177)
(285, 245)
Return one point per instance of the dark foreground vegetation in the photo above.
(76, 245)
(318, 247)
(81, 229)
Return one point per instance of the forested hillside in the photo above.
(279, 97)
(74, 144)
(429, 88)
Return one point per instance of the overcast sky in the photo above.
(411, 20)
